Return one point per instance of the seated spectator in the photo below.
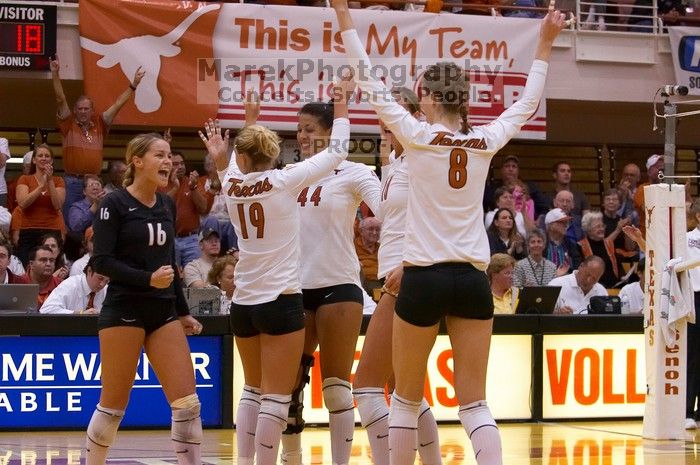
(578, 288)
(560, 250)
(54, 242)
(595, 243)
(522, 200)
(221, 275)
(40, 195)
(632, 295)
(535, 270)
(79, 294)
(6, 274)
(196, 271)
(500, 274)
(367, 246)
(625, 249)
(116, 169)
(40, 271)
(565, 201)
(504, 237)
(510, 175)
(82, 213)
(562, 174)
(504, 199)
(627, 187)
(79, 264)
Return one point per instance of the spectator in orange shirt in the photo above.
(83, 133)
(655, 163)
(40, 271)
(192, 200)
(367, 246)
(40, 195)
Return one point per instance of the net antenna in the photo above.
(670, 115)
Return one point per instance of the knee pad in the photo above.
(337, 394)
(295, 424)
(371, 405)
(103, 426)
(275, 407)
(403, 413)
(476, 415)
(250, 396)
(186, 420)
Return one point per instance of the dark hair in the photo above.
(59, 240)
(499, 192)
(556, 166)
(73, 245)
(641, 265)
(92, 177)
(90, 265)
(322, 111)
(32, 168)
(7, 245)
(33, 252)
(493, 229)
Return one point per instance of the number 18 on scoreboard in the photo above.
(27, 36)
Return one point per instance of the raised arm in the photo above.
(111, 112)
(63, 110)
(399, 121)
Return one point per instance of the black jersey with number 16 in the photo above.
(133, 240)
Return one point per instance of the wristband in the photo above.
(132, 87)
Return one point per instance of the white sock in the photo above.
(291, 449)
(428, 438)
(403, 434)
(337, 394)
(374, 415)
(272, 420)
(477, 420)
(246, 422)
(186, 430)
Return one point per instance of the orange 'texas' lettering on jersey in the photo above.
(166, 38)
(248, 191)
(444, 138)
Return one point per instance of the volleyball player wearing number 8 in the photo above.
(267, 313)
(145, 307)
(374, 369)
(446, 249)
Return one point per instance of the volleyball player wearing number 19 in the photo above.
(134, 245)
(446, 248)
(267, 312)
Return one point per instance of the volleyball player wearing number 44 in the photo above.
(267, 312)
(134, 245)
(446, 249)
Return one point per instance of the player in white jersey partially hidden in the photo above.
(446, 249)
(374, 369)
(267, 314)
(330, 279)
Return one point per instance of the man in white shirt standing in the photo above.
(79, 294)
(578, 288)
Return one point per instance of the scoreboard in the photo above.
(27, 36)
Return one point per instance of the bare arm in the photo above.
(111, 112)
(63, 111)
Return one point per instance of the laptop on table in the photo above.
(537, 300)
(18, 299)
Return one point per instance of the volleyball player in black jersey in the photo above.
(145, 307)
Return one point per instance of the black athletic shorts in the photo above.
(314, 298)
(283, 315)
(149, 314)
(428, 293)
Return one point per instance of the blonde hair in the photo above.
(259, 143)
(498, 263)
(218, 267)
(448, 85)
(407, 98)
(137, 147)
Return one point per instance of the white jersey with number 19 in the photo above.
(447, 169)
(263, 209)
